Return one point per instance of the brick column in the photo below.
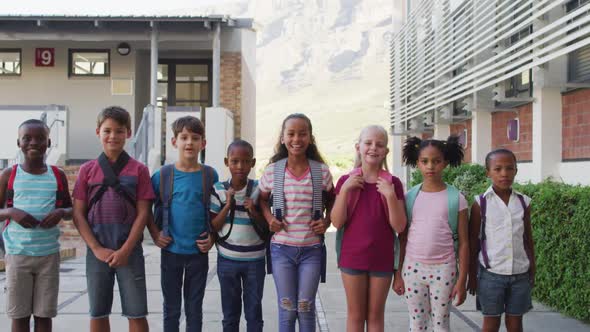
(231, 87)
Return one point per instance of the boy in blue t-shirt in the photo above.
(185, 240)
(34, 208)
(241, 244)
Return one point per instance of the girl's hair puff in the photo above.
(382, 131)
(451, 149)
(312, 152)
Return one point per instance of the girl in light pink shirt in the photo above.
(368, 210)
(428, 260)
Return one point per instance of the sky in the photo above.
(103, 7)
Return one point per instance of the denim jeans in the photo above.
(100, 279)
(232, 275)
(296, 272)
(194, 268)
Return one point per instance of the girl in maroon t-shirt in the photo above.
(370, 205)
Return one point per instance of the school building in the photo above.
(65, 69)
(500, 74)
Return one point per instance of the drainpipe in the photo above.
(154, 64)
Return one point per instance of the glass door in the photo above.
(184, 83)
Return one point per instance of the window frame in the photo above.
(20, 57)
(573, 58)
(71, 52)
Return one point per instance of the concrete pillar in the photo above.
(546, 133)
(481, 136)
(216, 64)
(442, 131)
(397, 167)
(154, 64)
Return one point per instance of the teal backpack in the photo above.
(453, 205)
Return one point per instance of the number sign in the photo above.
(44, 57)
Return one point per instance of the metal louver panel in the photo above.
(446, 52)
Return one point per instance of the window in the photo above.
(578, 61)
(10, 60)
(521, 83)
(89, 62)
(184, 83)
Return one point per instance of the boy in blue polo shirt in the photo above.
(184, 239)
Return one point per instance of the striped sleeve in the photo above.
(327, 182)
(217, 198)
(266, 181)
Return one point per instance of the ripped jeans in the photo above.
(296, 273)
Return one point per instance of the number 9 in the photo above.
(46, 57)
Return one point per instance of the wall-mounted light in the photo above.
(123, 49)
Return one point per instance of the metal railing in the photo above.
(56, 118)
(143, 140)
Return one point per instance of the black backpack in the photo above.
(261, 228)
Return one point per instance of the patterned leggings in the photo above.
(428, 294)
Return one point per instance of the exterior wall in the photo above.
(457, 129)
(231, 86)
(523, 149)
(575, 172)
(247, 120)
(84, 96)
(576, 125)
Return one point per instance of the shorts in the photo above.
(100, 279)
(498, 294)
(32, 285)
(355, 272)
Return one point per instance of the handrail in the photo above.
(140, 143)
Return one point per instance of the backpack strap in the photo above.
(410, 199)
(10, 187)
(166, 192)
(525, 242)
(316, 181)
(111, 178)
(232, 212)
(278, 202)
(9, 201)
(207, 182)
(278, 189)
(483, 207)
(453, 215)
(318, 210)
(60, 194)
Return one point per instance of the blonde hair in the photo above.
(383, 132)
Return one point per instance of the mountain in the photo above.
(325, 58)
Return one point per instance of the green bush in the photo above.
(561, 226)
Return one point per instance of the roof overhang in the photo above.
(64, 27)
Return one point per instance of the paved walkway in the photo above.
(331, 303)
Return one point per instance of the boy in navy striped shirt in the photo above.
(31, 236)
(240, 246)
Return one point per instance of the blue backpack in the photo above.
(164, 199)
(453, 217)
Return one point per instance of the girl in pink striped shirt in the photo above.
(297, 251)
